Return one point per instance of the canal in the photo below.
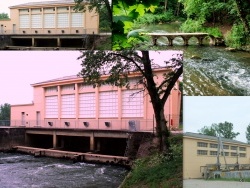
(19, 170)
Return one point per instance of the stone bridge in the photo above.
(185, 36)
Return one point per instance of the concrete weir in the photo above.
(75, 156)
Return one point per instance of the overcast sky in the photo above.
(204, 111)
(19, 69)
(5, 4)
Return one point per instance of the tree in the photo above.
(222, 129)
(96, 5)
(5, 112)
(243, 12)
(4, 16)
(248, 134)
(118, 65)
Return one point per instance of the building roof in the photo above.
(42, 3)
(72, 77)
(202, 136)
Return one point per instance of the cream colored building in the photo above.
(49, 17)
(200, 150)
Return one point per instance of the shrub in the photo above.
(236, 38)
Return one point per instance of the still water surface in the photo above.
(19, 170)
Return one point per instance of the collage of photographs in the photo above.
(125, 93)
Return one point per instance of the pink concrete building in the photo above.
(69, 103)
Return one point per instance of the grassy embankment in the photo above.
(158, 170)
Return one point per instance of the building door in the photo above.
(14, 28)
(38, 118)
(23, 118)
(1, 29)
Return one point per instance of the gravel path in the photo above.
(200, 183)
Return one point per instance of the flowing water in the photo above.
(18, 171)
(209, 70)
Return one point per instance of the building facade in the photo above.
(68, 103)
(49, 17)
(201, 150)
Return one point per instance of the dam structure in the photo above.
(69, 115)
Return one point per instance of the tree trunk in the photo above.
(242, 11)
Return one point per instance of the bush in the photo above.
(192, 26)
(236, 38)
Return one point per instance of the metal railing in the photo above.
(4, 122)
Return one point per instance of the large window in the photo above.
(49, 20)
(36, 21)
(62, 20)
(68, 106)
(77, 19)
(108, 102)
(87, 105)
(213, 145)
(24, 21)
(51, 89)
(51, 107)
(132, 103)
(213, 152)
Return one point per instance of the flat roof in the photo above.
(213, 138)
(41, 3)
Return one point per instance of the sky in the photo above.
(19, 69)
(203, 111)
(5, 4)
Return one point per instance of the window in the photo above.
(68, 106)
(108, 102)
(36, 21)
(242, 155)
(234, 147)
(68, 87)
(213, 153)
(51, 89)
(226, 153)
(51, 107)
(24, 11)
(24, 21)
(49, 20)
(35, 10)
(213, 145)
(62, 20)
(132, 103)
(225, 146)
(202, 144)
(233, 154)
(242, 148)
(77, 19)
(201, 152)
(83, 86)
(87, 105)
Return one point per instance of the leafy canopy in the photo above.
(222, 129)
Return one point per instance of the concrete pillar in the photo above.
(27, 139)
(92, 142)
(185, 39)
(33, 42)
(98, 145)
(200, 39)
(170, 41)
(154, 40)
(58, 42)
(54, 139)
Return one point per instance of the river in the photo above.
(19, 170)
(215, 71)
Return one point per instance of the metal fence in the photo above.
(4, 122)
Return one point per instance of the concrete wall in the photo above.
(10, 137)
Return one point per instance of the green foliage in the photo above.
(158, 170)
(5, 112)
(236, 38)
(222, 129)
(4, 16)
(248, 134)
(104, 22)
(125, 12)
(192, 26)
